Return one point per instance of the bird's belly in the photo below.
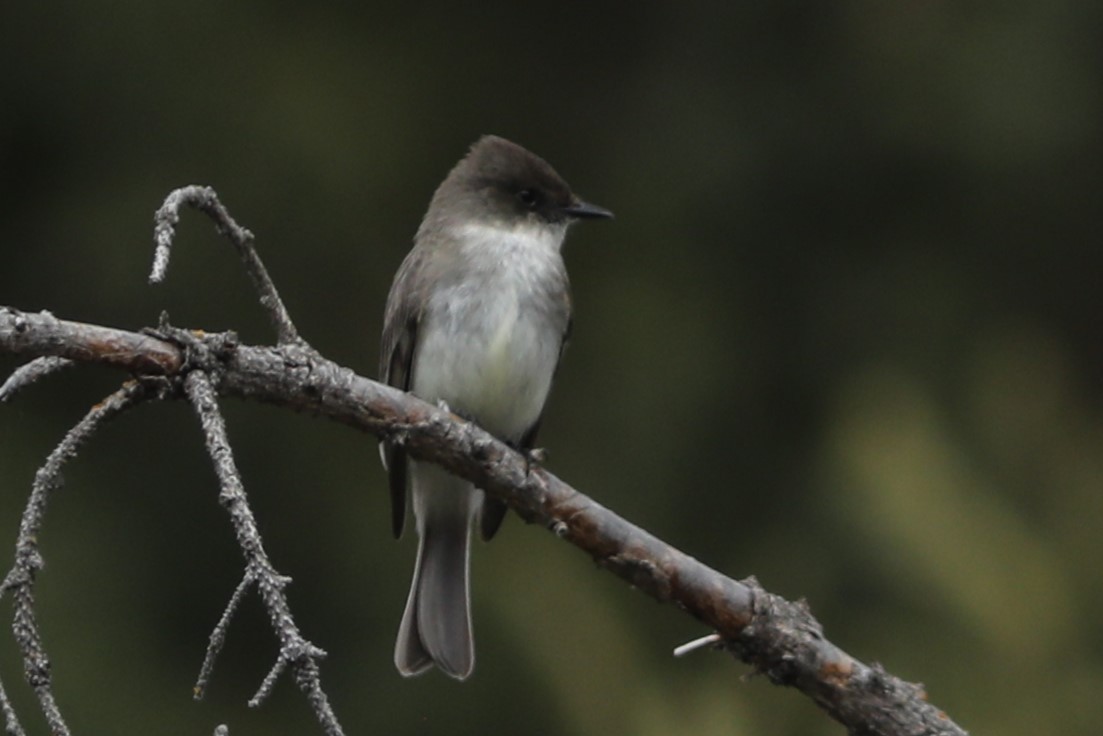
(492, 363)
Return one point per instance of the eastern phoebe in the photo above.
(477, 317)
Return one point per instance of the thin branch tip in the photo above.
(218, 635)
(269, 682)
(29, 373)
(205, 199)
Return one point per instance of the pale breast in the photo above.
(489, 343)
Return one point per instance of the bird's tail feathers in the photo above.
(436, 626)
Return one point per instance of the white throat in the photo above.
(526, 235)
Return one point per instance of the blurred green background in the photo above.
(844, 335)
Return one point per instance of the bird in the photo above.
(476, 320)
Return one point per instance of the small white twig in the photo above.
(692, 646)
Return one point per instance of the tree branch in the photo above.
(20, 580)
(295, 650)
(83, 343)
(779, 638)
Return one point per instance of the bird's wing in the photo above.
(396, 360)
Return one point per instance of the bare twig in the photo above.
(206, 201)
(12, 726)
(20, 579)
(295, 650)
(269, 681)
(218, 635)
(777, 637)
(27, 374)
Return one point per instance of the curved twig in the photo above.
(20, 580)
(205, 199)
(27, 374)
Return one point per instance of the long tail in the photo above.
(436, 626)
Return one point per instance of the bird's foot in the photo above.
(535, 457)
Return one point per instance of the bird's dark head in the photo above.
(501, 181)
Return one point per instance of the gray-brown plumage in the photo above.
(477, 317)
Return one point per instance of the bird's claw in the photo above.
(535, 457)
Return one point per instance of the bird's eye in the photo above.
(528, 197)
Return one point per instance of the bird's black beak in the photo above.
(581, 209)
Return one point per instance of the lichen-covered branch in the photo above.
(218, 635)
(777, 637)
(20, 580)
(12, 726)
(206, 201)
(295, 650)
